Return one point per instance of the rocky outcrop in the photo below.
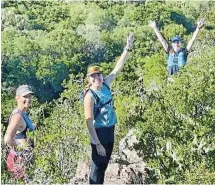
(125, 167)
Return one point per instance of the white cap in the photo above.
(23, 90)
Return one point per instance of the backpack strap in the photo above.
(98, 106)
(102, 105)
(106, 86)
(94, 95)
(98, 109)
(184, 50)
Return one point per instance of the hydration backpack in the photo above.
(97, 104)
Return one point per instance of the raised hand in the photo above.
(152, 24)
(130, 41)
(200, 23)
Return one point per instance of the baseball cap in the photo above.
(176, 38)
(23, 90)
(94, 68)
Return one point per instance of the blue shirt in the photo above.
(176, 60)
(107, 115)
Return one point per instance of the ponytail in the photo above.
(88, 86)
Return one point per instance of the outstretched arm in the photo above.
(164, 43)
(200, 24)
(120, 63)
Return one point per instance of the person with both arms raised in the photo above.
(177, 56)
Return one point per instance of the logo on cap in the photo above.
(94, 69)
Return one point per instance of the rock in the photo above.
(82, 173)
(125, 167)
(125, 174)
(126, 148)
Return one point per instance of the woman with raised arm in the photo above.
(100, 114)
(177, 56)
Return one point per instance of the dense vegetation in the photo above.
(48, 46)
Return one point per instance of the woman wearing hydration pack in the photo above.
(100, 115)
(15, 136)
(177, 56)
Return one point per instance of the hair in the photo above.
(171, 50)
(87, 86)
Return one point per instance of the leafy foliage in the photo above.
(48, 45)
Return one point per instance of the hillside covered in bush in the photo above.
(48, 45)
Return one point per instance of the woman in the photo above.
(100, 115)
(19, 123)
(177, 56)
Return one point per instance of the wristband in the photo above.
(127, 48)
(199, 27)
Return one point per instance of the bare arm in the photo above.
(164, 43)
(200, 24)
(121, 62)
(88, 111)
(12, 129)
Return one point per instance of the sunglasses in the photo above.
(176, 42)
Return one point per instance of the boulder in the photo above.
(125, 166)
